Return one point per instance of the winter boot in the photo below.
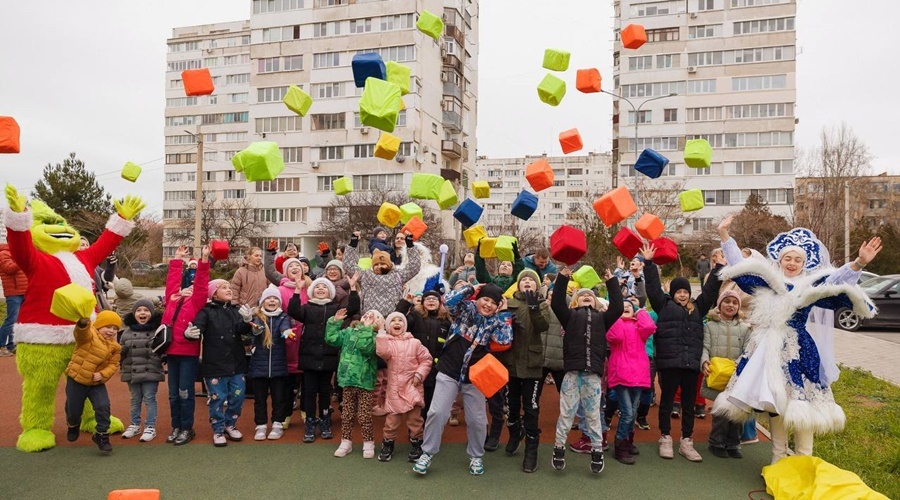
(72, 433)
(493, 440)
(641, 420)
(325, 426)
(529, 464)
(101, 439)
(387, 451)
(631, 447)
(515, 437)
(415, 450)
(309, 435)
(623, 452)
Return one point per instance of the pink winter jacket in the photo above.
(629, 365)
(405, 356)
(292, 345)
(180, 345)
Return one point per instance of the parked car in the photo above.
(140, 267)
(885, 294)
(866, 276)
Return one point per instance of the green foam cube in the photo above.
(260, 161)
(551, 90)
(364, 263)
(408, 211)
(691, 200)
(698, 153)
(380, 104)
(297, 100)
(447, 196)
(342, 186)
(399, 75)
(503, 249)
(131, 171)
(431, 25)
(556, 60)
(587, 277)
(426, 186)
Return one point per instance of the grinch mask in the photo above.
(50, 232)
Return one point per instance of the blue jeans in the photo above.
(629, 400)
(221, 389)
(12, 315)
(749, 431)
(145, 393)
(182, 376)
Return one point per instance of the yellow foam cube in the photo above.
(387, 146)
(72, 302)
(487, 248)
(481, 189)
(473, 234)
(389, 214)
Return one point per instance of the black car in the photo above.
(885, 294)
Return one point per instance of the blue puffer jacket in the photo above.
(270, 362)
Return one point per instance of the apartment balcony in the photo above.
(452, 120)
(451, 174)
(453, 89)
(452, 61)
(456, 33)
(451, 148)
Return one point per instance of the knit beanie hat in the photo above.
(288, 262)
(270, 291)
(108, 318)
(338, 264)
(728, 293)
(146, 303)
(529, 273)
(382, 257)
(391, 316)
(214, 287)
(492, 292)
(378, 229)
(431, 293)
(302, 258)
(321, 281)
(679, 283)
(581, 291)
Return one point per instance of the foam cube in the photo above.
(379, 105)
(651, 163)
(627, 243)
(219, 250)
(539, 175)
(468, 212)
(426, 186)
(447, 195)
(416, 227)
(524, 205)
(691, 200)
(649, 226)
(503, 249)
(387, 146)
(73, 302)
(364, 263)
(131, 171)
(486, 248)
(473, 235)
(297, 100)
(588, 80)
(481, 189)
(399, 75)
(615, 206)
(133, 494)
(431, 25)
(568, 245)
(633, 36)
(587, 277)
(488, 375)
(556, 60)
(697, 153)
(342, 186)
(666, 251)
(551, 90)
(9, 135)
(389, 215)
(408, 211)
(260, 161)
(367, 65)
(197, 82)
(570, 141)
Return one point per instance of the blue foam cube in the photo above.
(468, 212)
(367, 65)
(525, 205)
(651, 163)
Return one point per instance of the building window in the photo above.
(640, 63)
(665, 61)
(183, 65)
(705, 114)
(653, 89)
(265, 6)
(330, 121)
(657, 143)
(234, 194)
(279, 185)
(330, 3)
(378, 181)
(330, 28)
(238, 79)
(644, 116)
(700, 171)
(758, 139)
(361, 25)
(741, 84)
(705, 58)
(703, 5)
(238, 98)
(758, 167)
(177, 158)
(325, 182)
(292, 155)
(363, 151)
(670, 115)
(755, 3)
(404, 53)
(747, 111)
(271, 94)
(663, 35)
(701, 87)
(657, 8)
(328, 90)
(764, 26)
(400, 22)
(173, 177)
(702, 224)
(184, 46)
(705, 31)
(331, 153)
(178, 102)
(279, 124)
(326, 60)
(180, 195)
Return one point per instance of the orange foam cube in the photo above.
(539, 175)
(633, 36)
(615, 206)
(133, 495)
(570, 140)
(197, 82)
(488, 375)
(588, 80)
(9, 135)
(649, 226)
(416, 227)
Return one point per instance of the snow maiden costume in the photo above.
(789, 366)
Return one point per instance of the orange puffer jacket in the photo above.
(93, 354)
(14, 280)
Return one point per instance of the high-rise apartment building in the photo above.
(310, 43)
(720, 70)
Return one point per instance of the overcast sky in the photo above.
(89, 76)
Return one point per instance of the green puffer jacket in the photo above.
(526, 357)
(552, 339)
(358, 361)
(722, 339)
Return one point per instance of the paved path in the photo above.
(882, 335)
(878, 356)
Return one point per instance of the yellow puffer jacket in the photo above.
(93, 354)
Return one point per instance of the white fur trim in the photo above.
(34, 333)
(821, 418)
(756, 267)
(723, 406)
(119, 226)
(75, 269)
(18, 221)
(859, 299)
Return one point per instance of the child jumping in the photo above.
(141, 368)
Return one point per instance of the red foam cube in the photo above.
(197, 82)
(539, 175)
(649, 226)
(219, 250)
(570, 140)
(666, 251)
(628, 243)
(588, 80)
(633, 36)
(568, 244)
(9, 135)
(615, 206)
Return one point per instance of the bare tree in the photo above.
(236, 221)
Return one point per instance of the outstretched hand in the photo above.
(15, 199)
(566, 271)
(620, 262)
(353, 280)
(607, 274)
(181, 252)
(724, 226)
(869, 250)
(130, 207)
(648, 251)
(340, 315)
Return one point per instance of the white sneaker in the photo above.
(369, 449)
(344, 449)
(131, 431)
(454, 421)
(149, 434)
(665, 447)
(260, 434)
(277, 431)
(219, 440)
(233, 434)
(686, 449)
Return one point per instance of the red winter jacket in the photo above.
(14, 280)
(181, 346)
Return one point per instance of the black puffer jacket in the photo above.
(430, 330)
(584, 343)
(224, 333)
(679, 333)
(139, 363)
(315, 353)
(269, 362)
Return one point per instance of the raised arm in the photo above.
(174, 274)
(850, 272)
(558, 301)
(710, 292)
(351, 255)
(616, 304)
(201, 285)
(481, 272)
(655, 293)
(456, 300)
(732, 252)
(333, 333)
(413, 262)
(645, 325)
(272, 274)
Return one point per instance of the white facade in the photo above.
(577, 181)
(310, 43)
(732, 65)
